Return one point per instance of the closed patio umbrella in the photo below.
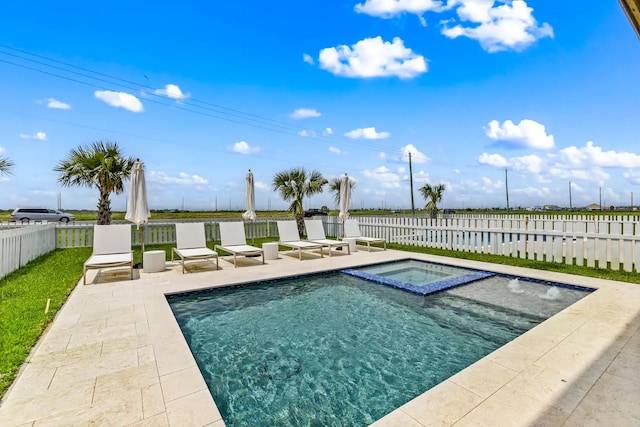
(345, 196)
(137, 207)
(250, 202)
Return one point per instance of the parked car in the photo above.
(314, 212)
(40, 214)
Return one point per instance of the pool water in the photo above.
(332, 349)
(419, 277)
(415, 272)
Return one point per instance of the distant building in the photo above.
(594, 207)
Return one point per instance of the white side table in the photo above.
(270, 250)
(352, 243)
(153, 261)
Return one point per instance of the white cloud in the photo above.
(533, 191)
(373, 57)
(526, 164)
(531, 164)
(38, 136)
(59, 105)
(307, 133)
(594, 174)
(456, 171)
(591, 155)
(389, 8)
(632, 176)
(495, 160)
(308, 59)
(336, 150)
(384, 176)
(328, 131)
(2, 150)
(261, 186)
(527, 133)
(243, 147)
(482, 186)
(509, 25)
(172, 91)
(382, 155)
(120, 99)
(367, 133)
(416, 156)
(304, 113)
(182, 178)
(421, 177)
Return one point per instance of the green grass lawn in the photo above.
(24, 293)
(23, 299)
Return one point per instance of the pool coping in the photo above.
(115, 354)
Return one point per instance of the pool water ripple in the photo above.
(333, 349)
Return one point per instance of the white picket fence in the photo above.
(21, 244)
(611, 241)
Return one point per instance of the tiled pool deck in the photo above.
(115, 356)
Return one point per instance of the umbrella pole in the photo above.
(253, 232)
(142, 237)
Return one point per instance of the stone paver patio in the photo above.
(115, 356)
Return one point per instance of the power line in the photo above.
(236, 116)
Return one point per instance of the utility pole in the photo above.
(413, 206)
(506, 187)
(632, 200)
(570, 205)
(600, 198)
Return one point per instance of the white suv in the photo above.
(40, 214)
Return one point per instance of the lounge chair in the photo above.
(352, 230)
(111, 248)
(234, 241)
(191, 244)
(289, 237)
(315, 233)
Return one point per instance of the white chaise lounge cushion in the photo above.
(191, 243)
(352, 229)
(234, 241)
(315, 233)
(111, 248)
(289, 237)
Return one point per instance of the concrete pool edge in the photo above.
(103, 323)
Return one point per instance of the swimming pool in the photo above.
(332, 349)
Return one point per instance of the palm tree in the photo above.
(296, 184)
(6, 166)
(433, 194)
(100, 164)
(334, 187)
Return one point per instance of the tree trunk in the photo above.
(104, 209)
(300, 223)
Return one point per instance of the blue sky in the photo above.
(203, 91)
